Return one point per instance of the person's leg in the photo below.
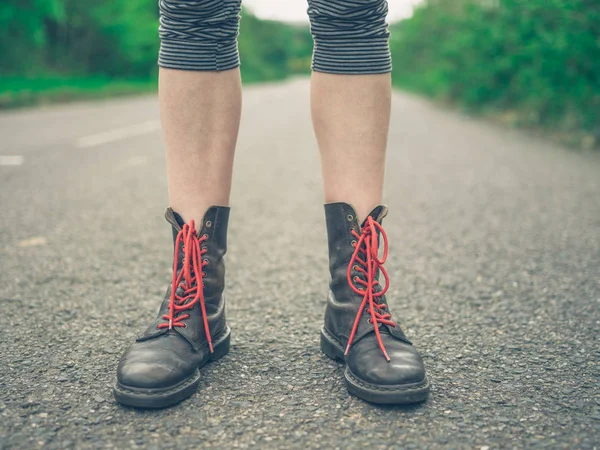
(351, 97)
(351, 115)
(200, 101)
(200, 115)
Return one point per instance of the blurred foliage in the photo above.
(536, 61)
(272, 50)
(45, 41)
(18, 91)
(40, 37)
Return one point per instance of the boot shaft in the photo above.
(342, 221)
(214, 226)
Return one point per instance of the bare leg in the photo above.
(200, 115)
(351, 115)
(351, 102)
(200, 103)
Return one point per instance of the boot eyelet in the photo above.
(205, 236)
(355, 267)
(350, 217)
(354, 243)
(370, 321)
(203, 274)
(208, 224)
(356, 279)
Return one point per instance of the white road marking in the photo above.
(32, 242)
(134, 161)
(118, 134)
(11, 160)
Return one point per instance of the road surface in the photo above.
(495, 269)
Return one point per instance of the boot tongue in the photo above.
(174, 219)
(179, 219)
(378, 213)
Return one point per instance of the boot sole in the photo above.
(381, 394)
(169, 396)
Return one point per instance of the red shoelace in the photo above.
(189, 280)
(365, 260)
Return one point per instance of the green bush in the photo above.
(119, 39)
(271, 50)
(537, 58)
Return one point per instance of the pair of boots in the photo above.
(161, 368)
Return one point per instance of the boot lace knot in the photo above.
(187, 287)
(366, 261)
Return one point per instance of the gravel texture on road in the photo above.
(494, 265)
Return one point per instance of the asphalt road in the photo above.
(495, 267)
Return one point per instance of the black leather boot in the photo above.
(161, 368)
(382, 366)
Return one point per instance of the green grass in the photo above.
(18, 92)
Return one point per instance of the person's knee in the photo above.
(199, 35)
(346, 19)
(350, 36)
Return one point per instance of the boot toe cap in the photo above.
(148, 367)
(367, 363)
(147, 375)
